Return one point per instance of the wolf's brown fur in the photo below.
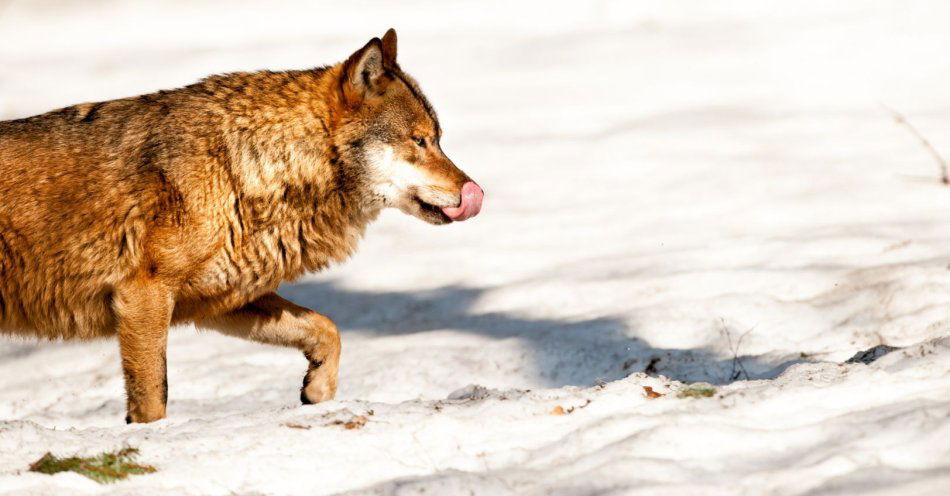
(193, 205)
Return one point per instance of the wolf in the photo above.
(192, 205)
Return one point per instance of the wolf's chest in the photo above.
(256, 258)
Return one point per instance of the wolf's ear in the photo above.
(364, 73)
(389, 48)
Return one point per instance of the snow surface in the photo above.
(675, 192)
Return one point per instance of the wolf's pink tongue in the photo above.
(471, 204)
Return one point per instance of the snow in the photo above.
(675, 192)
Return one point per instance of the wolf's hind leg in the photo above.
(273, 320)
(143, 309)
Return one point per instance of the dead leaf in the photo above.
(558, 410)
(294, 425)
(651, 393)
(354, 423)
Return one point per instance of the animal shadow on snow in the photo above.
(581, 352)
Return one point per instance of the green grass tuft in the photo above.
(698, 390)
(103, 468)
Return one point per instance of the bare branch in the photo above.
(901, 119)
(738, 369)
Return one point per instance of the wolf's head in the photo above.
(393, 132)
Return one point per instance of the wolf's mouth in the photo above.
(432, 212)
(469, 204)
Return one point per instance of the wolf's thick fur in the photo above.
(193, 205)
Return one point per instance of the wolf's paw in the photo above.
(143, 414)
(311, 394)
(318, 385)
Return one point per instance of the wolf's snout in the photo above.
(470, 205)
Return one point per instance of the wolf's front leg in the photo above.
(273, 320)
(143, 308)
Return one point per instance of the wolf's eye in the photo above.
(421, 142)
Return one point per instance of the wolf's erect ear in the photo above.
(389, 48)
(365, 72)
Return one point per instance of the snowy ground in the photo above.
(676, 192)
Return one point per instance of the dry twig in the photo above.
(902, 120)
(738, 369)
